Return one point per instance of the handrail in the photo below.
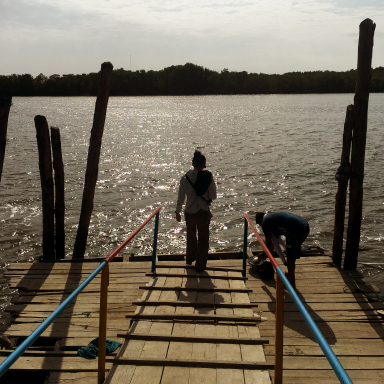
(328, 352)
(7, 363)
(133, 234)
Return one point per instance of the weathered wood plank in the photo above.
(217, 304)
(371, 348)
(206, 275)
(55, 364)
(197, 317)
(195, 339)
(193, 363)
(197, 289)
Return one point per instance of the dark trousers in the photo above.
(197, 237)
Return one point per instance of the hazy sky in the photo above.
(268, 36)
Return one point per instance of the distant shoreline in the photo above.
(189, 80)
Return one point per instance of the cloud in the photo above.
(71, 36)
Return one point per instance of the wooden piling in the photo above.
(58, 167)
(5, 105)
(342, 177)
(46, 179)
(367, 29)
(93, 159)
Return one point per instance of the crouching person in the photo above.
(293, 227)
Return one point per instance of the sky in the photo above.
(257, 36)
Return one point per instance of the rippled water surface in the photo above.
(273, 152)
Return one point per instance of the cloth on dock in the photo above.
(92, 349)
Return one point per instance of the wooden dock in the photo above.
(209, 328)
(202, 330)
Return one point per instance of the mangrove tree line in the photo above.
(188, 79)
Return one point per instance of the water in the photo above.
(273, 152)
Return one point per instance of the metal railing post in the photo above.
(327, 350)
(103, 324)
(155, 243)
(245, 247)
(279, 338)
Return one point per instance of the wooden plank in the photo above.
(197, 289)
(233, 376)
(175, 375)
(314, 298)
(195, 339)
(349, 363)
(203, 350)
(322, 376)
(197, 276)
(329, 334)
(158, 362)
(202, 375)
(222, 297)
(135, 348)
(371, 348)
(178, 348)
(152, 350)
(291, 307)
(73, 378)
(192, 268)
(54, 364)
(259, 377)
(254, 319)
(195, 304)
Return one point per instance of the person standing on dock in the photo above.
(200, 188)
(293, 227)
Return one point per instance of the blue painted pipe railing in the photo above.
(7, 363)
(46, 323)
(328, 352)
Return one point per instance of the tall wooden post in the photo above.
(5, 105)
(46, 179)
(342, 177)
(58, 167)
(93, 159)
(364, 61)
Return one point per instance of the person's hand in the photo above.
(262, 256)
(178, 217)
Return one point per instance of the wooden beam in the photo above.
(194, 363)
(193, 339)
(241, 290)
(193, 304)
(241, 319)
(196, 276)
(220, 269)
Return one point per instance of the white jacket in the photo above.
(194, 203)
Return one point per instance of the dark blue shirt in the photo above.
(284, 223)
